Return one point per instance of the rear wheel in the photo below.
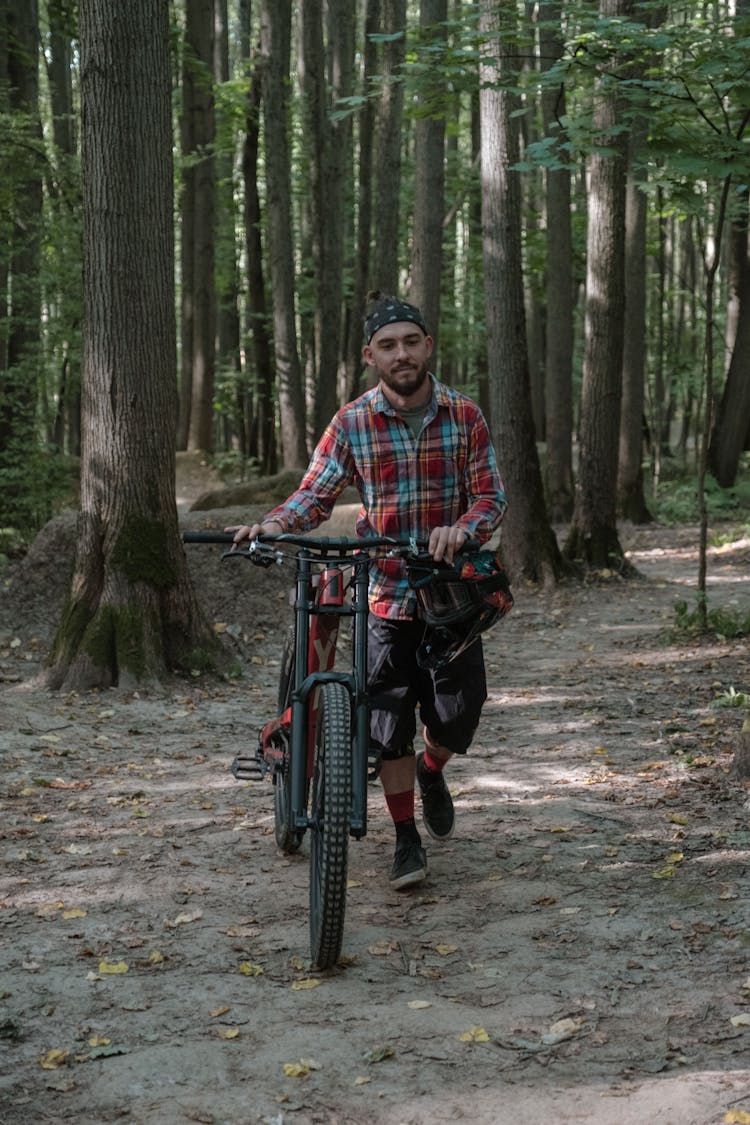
(330, 815)
(287, 838)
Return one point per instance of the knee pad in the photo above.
(395, 753)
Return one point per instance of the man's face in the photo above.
(399, 353)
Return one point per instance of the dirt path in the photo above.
(579, 953)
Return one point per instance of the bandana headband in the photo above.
(390, 310)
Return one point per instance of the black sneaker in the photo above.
(437, 804)
(409, 865)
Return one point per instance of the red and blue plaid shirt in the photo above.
(445, 477)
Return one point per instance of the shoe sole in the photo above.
(409, 880)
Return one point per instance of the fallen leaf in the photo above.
(155, 957)
(183, 919)
(378, 1054)
(54, 1058)
(563, 1029)
(229, 1032)
(674, 857)
(353, 883)
(112, 968)
(74, 912)
(678, 818)
(99, 1041)
(300, 1069)
(665, 873)
(249, 969)
(742, 1020)
(417, 1005)
(445, 950)
(382, 948)
(222, 1011)
(308, 982)
(736, 1117)
(362, 1080)
(474, 1035)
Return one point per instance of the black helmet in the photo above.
(458, 603)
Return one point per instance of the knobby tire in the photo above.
(329, 832)
(288, 839)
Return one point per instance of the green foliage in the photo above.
(731, 698)
(677, 501)
(721, 622)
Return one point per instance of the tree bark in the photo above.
(276, 24)
(593, 537)
(560, 288)
(131, 615)
(388, 139)
(529, 545)
(198, 287)
(429, 173)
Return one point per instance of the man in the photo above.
(422, 460)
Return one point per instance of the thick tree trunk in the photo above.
(593, 536)
(529, 544)
(276, 23)
(131, 615)
(429, 173)
(388, 141)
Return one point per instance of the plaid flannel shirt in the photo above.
(447, 476)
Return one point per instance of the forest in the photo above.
(198, 194)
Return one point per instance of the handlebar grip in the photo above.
(207, 537)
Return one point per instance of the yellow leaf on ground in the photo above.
(362, 1080)
(444, 950)
(99, 1041)
(678, 818)
(417, 1005)
(353, 883)
(155, 957)
(54, 1058)
(222, 1011)
(309, 982)
(665, 873)
(296, 1070)
(737, 1117)
(248, 969)
(113, 968)
(74, 912)
(674, 857)
(474, 1035)
(229, 1032)
(183, 919)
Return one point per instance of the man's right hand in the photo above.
(250, 532)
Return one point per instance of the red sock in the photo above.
(401, 805)
(436, 765)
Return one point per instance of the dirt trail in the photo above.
(579, 952)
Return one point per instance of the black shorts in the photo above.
(450, 699)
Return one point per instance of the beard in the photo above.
(405, 381)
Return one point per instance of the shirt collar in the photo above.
(381, 405)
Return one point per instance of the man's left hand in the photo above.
(445, 541)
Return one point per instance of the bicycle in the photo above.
(316, 748)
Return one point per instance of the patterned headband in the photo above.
(390, 310)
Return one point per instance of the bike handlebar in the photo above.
(324, 544)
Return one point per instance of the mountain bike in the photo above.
(316, 747)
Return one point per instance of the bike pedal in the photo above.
(246, 767)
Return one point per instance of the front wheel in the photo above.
(329, 827)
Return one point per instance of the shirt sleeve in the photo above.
(486, 495)
(330, 471)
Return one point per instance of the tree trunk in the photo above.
(593, 535)
(388, 140)
(529, 544)
(19, 504)
(264, 426)
(560, 288)
(361, 265)
(731, 426)
(198, 293)
(632, 503)
(131, 615)
(276, 27)
(329, 144)
(429, 172)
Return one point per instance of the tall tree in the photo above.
(593, 534)
(327, 65)
(276, 32)
(429, 168)
(528, 541)
(560, 289)
(22, 189)
(387, 157)
(131, 614)
(198, 227)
